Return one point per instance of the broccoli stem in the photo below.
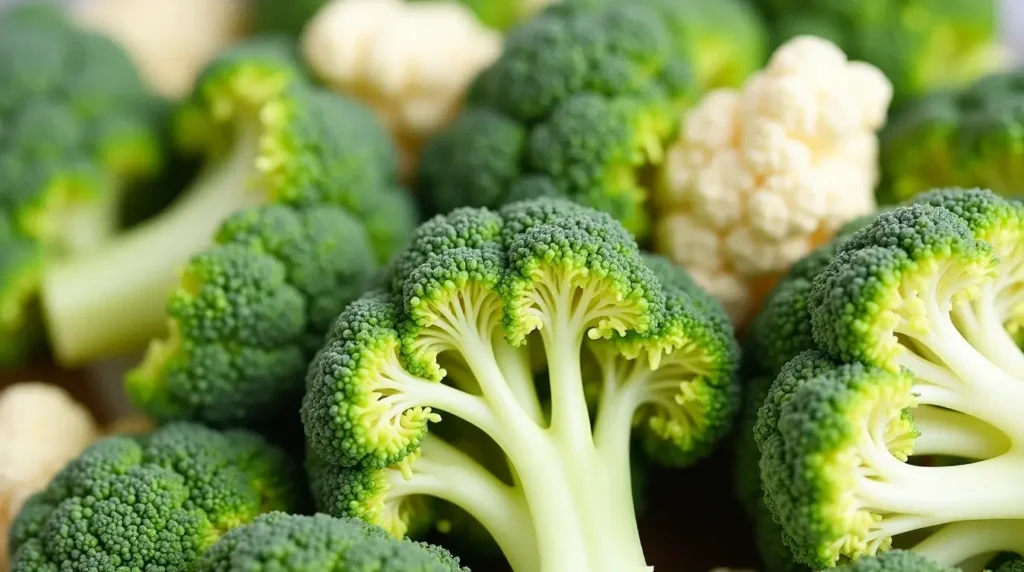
(945, 432)
(113, 301)
(956, 543)
(444, 472)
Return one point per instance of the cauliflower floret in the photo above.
(41, 428)
(762, 175)
(170, 40)
(411, 61)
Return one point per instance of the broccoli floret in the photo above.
(470, 317)
(291, 17)
(912, 356)
(1012, 565)
(920, 45)
(295, 543)
(970, 137)
(250, 313)
(267, 137)
(896, 561)
(77, 129)
(152, 502)
(580, 104)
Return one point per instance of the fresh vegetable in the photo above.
(411, 61)
(763, 174)
(77, 129)
(921, 45)
(291, 543)
(968, 137)
(249, 314)
(897, 561)
(170, 42)
(910, 354)
(41, 428)
(581, 103)
(152, 502)
(468, 320)
(268, 137)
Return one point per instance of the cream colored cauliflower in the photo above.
(411, 61)
(41, 428)
(762, 175)
(169, 40)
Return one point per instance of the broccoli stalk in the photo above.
(267, 137)
(472, 313)
(911, 355)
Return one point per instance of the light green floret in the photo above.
(321, 543)
(249, 314)
(152, 502)
(478, 308)
(913, 357)
(266, 137)
(897, 561)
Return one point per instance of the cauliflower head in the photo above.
(761, 175)
(41, 428)
(411, 61)
(170, 42)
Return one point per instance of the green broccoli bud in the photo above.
(895, 561)
(582, 102)
(296, 543)
(468, 322)
(249, 315)
(967, 137)
(78, 130)
(154, 501)
(912, 357)
(267, 137)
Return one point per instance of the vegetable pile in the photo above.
(440, 285)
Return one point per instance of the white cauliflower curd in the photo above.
(411, 61)
(171, 41)
(41, 428)
(762, 175)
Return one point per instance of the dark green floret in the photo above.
(250, 313)
(541, 331)
(581, 104)
(898, 427)
(969, 137)
(78, 132)
(266, 137)
(896, 561)
(152, 502)
(295, 543)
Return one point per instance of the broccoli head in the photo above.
(249, 314)
(896, 561)
(296, 543)
(78, 129)
(920, 45)
(911, 354)
(267, 136)
(968, 137)
(580, 104)
(154, 502)
(483, 317)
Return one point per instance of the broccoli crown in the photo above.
(582, 100)
(78, 126)
(459, 324)
(896, 561)
(265, 136)
(152, 502)
(297, 543)
(782, 329)
(964, 137)
(920, 45)
(911, 354)
(1015, 564)
(250, 313)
